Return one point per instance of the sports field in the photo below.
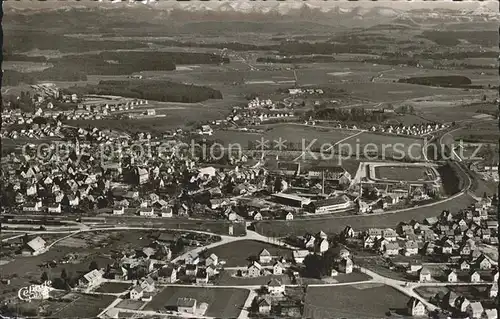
(404, 173)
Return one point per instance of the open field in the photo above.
(337, 224)
(293, 133)
(130, 304)
(356, 301)
(238, 253)
(113, 287)
(351, 141)
(341, 277)
(222, 302)
(386, 146)
(175, 118)
(393, 92)
(485, 132)
(72, 242)
(26, 66)
(84, 306)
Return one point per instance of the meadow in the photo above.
(294, 133)
(222, 302)
(240, 253)
(351, 301)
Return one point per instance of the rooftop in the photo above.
(186, 302)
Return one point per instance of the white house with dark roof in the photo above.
(211, 260)
(91, 279)
(148, 284)
(299, 255)
(346, 266)
(424, 275)
(278, 268)
(411, 248)
(136, 293)
(475, 276)
(415, 307)
(254, 270)
(264, 306)
(146, 212)
(167, 275)
(264, 256)
(118, 210)
(452, 276)
(54, 209)
(275, 287)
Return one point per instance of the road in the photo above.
(345, 139)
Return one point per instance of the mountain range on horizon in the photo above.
(330, 14)
(485, 8)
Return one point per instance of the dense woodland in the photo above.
(444, 81)
(355, 114)
(155, 90)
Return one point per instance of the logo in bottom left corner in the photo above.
(34, 292)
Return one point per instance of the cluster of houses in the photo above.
(301, 91)
(412, 130)
(196, 269)
(461, 307)
(257, 103)
(266, 264)
(90, 108)
(77, 176)
(255, 116)
(343, 126)
(151, 265)
(320, 244)
(144, 290)
(46, 91)
(34, 131)
(103, 106)
(376, 197)
(274, 300)
(449, 237)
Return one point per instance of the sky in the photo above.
(396, 4)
